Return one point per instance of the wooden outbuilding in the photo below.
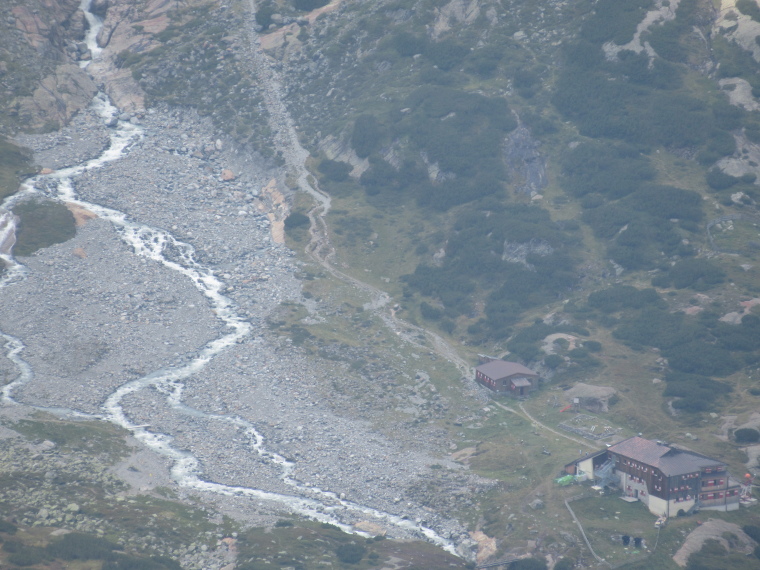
(505, 377)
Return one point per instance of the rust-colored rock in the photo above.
(228, 175)
(81, 215)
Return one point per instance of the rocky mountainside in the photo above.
(571, 185)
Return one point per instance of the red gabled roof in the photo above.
(502, 369)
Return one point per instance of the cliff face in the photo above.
(47, 24)
(127, 27)
(37, 54)
(59, 96)
(42, 44)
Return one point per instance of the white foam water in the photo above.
(162, 247)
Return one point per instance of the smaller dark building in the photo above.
(505, 377)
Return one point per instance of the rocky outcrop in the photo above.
(729, 535)
(43, 25)
(59, 96)
(592, 398)
(127, 27)
(55, 28)
(44, 38)
(455, 12)
(339, 149)
(526, 163)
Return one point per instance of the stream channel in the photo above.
(161, 247)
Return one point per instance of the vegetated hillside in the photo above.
(508, 171)
(197, 60)
(557, 159)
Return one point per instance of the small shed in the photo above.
(506, 378)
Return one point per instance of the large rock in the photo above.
(41, 27)
(714, 529)
(593, 398)
(58, 98)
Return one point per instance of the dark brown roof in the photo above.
(640, 449)
(671, 461)
(497, 369)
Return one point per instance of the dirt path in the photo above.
(319, 248)
(526, 415)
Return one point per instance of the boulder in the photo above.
(60, 95)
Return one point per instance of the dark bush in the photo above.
(446, 54)
(612, 170)
(745, 336)
(543, 125)
(295, 220)
(746, 435)
(8, 527)
(698, 393)
(328, 526)
(429, 312)
(578, 353)
(553, 361)
(12, 546)
(42, 224)
(719, 180)
(380, 176)
(667, 37)
(614, 21)
(526, 82)
(264, 15)
(749, 8)
(653, 326)
(335, 170)
(167, 562)
(528, 564)
(366, 135)
(592, 346)
(485, 60)
(565, 564)
(631, 100)
(752, 531)
(407, 44)
(125, 562)
(699, 274)
(350, 553)
(665, 202)
(77, 546)
(27, 556)
(621, 297)
(309, 5)
(700, 357)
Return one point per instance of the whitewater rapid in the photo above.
(162, 247)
